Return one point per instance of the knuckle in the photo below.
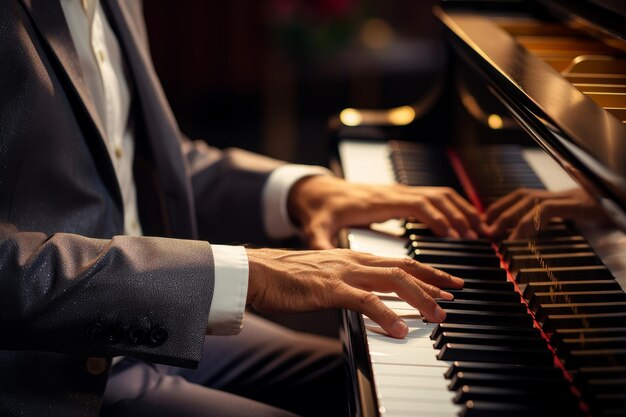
(368, 298)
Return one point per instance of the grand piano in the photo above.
(535, 98)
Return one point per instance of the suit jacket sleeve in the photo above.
(228, 187)
(139, 296)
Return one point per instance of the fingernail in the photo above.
(452, 233)
(446, 295)
(440, 315)
(458, 281)
(400, 329)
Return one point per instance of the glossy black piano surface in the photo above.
(540, 328)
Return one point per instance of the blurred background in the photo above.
(266, 75)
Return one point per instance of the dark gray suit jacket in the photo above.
(70, 286)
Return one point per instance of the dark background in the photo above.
(267, 75)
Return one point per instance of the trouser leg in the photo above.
(265, 363)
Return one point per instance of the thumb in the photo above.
(320, 237)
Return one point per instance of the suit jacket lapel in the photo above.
(49, 19)
(159, 122)
(47, 16)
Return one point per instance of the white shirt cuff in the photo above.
(275, 215)
(230, 291)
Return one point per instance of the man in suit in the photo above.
(91, 163)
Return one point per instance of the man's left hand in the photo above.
(321, 205)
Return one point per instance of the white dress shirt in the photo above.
(103, 69)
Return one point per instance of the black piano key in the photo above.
(448, 246)
(545, 310)
(502, 368)
(483, 306)
(598, 372)
(476, 272)
(419, 229)
(489, 318)
(530, 383)
(546, 249)
(500, 409)
(483, 243)
(485, 284)
(567, 345)
(581, 333)
(485, 295)
(455, 258)
(595, 357)
(574, 239)
(563, 321)
(573, 273)
(495, 354)
(518, 262)
(560, 286)
(512, 395)
(483, 329)
(490, 340)
(548, 297)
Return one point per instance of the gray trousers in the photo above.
(266, 370)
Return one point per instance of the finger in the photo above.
(510, 217)
(470, 212)
(319, 236)
(455, 216)
(369, 304)
(434, 219)
(539, 216)
(418, 270)
(501, 205)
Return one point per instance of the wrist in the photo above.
(297, 200)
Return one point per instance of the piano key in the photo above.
(559, 286)
(447, 246)
(485, 295)
(482, 329)
(485, 284)
(580, 333)
(590, 343)
(509, 395)
(492, 340)
(488, 318)
(595, 357)
(575, 297)
(518, 262)
(476, 272)
(546, 249)
(455, 258)
(573, 239)
(495, 354)
(482, 306)
(483, 243)
(502, 368)
(574, 273)
(530, 383)
(499, 409)
(560, 321)
(545, 310)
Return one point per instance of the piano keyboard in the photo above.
(489, 357)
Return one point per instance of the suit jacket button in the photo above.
(136, 335)
(113, 334)
(96, 366)
(157, 336)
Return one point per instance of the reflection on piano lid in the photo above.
(564, 85)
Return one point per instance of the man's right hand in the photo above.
(283, 281)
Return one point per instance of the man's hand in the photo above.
(284, 281)
(529, 210)
(321, 205)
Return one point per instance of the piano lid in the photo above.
(587, 140)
